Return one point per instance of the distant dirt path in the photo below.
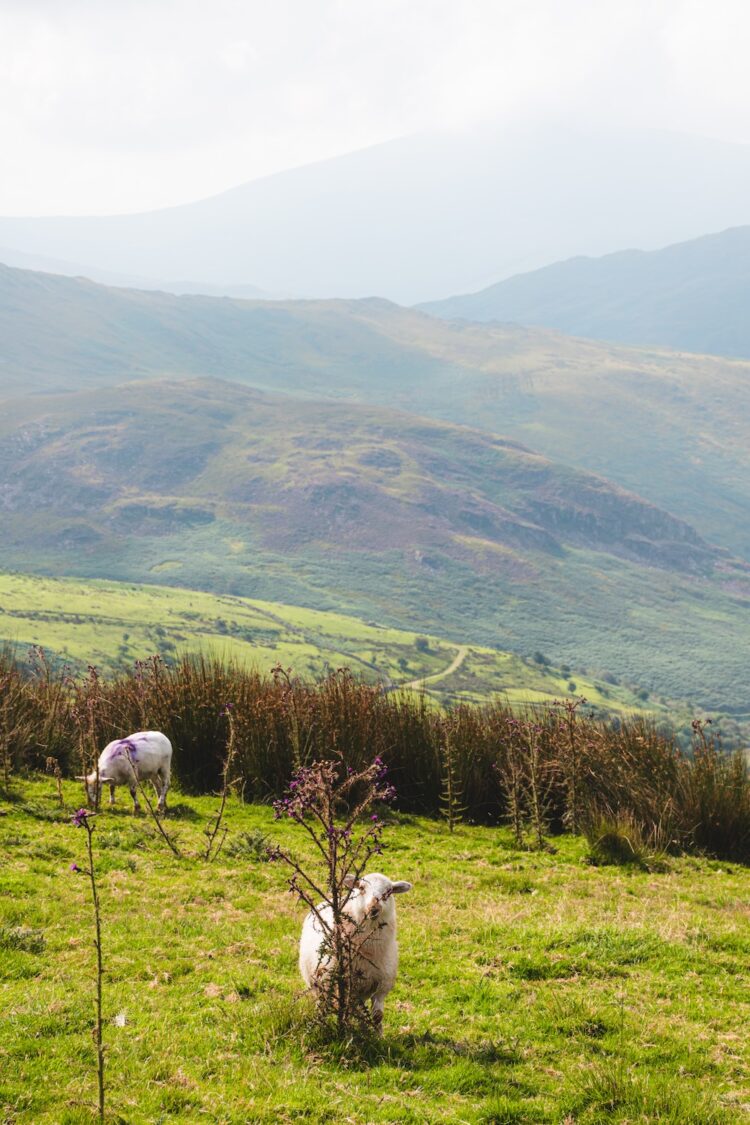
(458, 660)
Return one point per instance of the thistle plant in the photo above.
(571, 757)
(510, 770)
(282, 678)
(53, 766)
(6, 681)
(214, 827)
(84, 819)
(84, 714)
(335, 806)
(451, 804)
(538, 783)
(526, 777)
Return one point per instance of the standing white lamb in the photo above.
(373, 912)
(143, 756)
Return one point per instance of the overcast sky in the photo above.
(124, 105)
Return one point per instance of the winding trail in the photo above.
(415, 685)
(462, 651)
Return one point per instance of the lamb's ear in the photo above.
(400, 888)
(350, 881)
(80, 777)
(106, 780)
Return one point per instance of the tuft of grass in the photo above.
(22, 938)
(621, 841)
(249, 845)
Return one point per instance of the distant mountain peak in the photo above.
(690, 295)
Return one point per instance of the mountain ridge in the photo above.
(690, 296)
(674, 428)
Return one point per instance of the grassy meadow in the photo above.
(113, 624)
(534, 987)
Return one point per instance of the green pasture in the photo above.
(112, 624)
(534, 987)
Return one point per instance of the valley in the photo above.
(376, 514)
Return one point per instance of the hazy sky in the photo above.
(124, 105)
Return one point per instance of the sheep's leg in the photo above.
(161, 785)
(167, 776)
(134, 795)
(378, 1004)
(156, 782)
(111, 793)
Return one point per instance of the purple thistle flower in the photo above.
(74, 867)
(79, 818)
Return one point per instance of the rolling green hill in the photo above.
(373, 513)
(675, 428)
(112, 624)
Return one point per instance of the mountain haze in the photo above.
(693, 296)
(422, 217)
(20, 260)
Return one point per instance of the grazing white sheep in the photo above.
(372, 912)
(147, 754)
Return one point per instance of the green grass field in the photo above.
(111, 624)
(534, 988)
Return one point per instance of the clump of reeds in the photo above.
(543, 771)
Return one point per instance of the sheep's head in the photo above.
(93, 789)
(372, 895)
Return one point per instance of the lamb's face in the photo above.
(372, 896)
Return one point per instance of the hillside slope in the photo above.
(673, 427)
(422, 217)
(692, 296)
(111, 625)
(371, 512)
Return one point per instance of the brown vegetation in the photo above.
(546, 771)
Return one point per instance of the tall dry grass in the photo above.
(542, 771)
